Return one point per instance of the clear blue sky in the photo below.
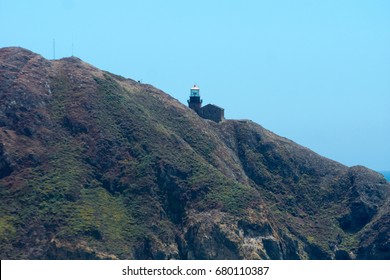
(317, 72)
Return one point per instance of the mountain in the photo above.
(96, 166)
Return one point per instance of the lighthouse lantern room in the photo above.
(195, 103)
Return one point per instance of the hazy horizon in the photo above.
(316, 73)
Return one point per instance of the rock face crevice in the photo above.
(5, 165)
(96, 166)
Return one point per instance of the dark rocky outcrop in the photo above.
(5, 166)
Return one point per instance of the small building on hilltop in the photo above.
(210, 111)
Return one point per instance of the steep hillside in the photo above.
(96, 166)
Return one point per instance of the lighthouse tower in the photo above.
(195, 103)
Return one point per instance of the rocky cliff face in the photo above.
(95, 166)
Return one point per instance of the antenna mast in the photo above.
(72, 45)
(54, 49)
